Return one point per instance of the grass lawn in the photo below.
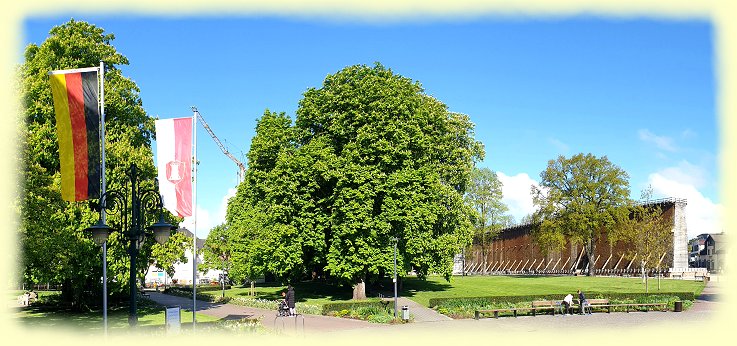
(150, 317)
(317, 293)
(314, 293)
(478, 286)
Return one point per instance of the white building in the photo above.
(183, 271)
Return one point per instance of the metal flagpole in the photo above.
(102, 192)
(194, 214)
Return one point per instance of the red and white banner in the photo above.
(174, 161)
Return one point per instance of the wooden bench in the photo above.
(143, 293)
(555, 305)
(591, 304)
(647, 306)
(496, 312)
(552, 305)
(604, 303)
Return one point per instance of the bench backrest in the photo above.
(597, 301)
(541, 303)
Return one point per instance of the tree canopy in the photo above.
(54, 246)
(216, 250)
(369, 157)
(484, 196)
(649, 232)
(578, 199)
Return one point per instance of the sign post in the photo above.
(173, 317)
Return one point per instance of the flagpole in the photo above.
(194, 214)
(102, 192)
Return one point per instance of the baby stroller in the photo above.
(283, 309)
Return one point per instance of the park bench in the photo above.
(552, 305)
(496, 312)
(604, 303)
(143, 293)
(636, 306)
(591, 304)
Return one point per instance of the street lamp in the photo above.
(142, 200)
(395, 239)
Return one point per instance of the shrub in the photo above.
(466, 307)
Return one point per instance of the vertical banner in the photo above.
(77, 110)
(174, 162)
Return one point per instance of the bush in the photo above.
(466, 307)
(457, 301)
(371, 310)
(351, 305)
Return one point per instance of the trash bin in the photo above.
(405, 312)
(678, 306)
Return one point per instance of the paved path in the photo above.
(312, 323)
(429, 322)
(420, 312)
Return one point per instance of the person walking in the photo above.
(290, 300)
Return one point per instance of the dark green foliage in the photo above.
(369, 157)
(578, 199)
(327, 308)
(54, 248)
(638, 297)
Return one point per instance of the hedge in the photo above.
(351, 305)
(208, 288)
(451, 301)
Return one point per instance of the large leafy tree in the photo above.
(216, 250)
(165, 256)
(54, 248)
(578, 199)
(648, 231)
(369, 158)
(484, 196)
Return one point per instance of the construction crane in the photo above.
(241, 166)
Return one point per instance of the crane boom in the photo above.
(241, 166)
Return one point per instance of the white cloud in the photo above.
(686, 173)
(207, 219)
(662, 142)
(516, 191)
(702, 215)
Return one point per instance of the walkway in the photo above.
(428, 322)
(312, 323)
(420, 312)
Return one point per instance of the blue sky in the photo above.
(640, 91)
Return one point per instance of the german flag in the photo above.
(77, 111)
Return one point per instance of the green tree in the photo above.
(578, 199)
(649, 231)
(216, 250)
(369, 157)
(165, 256)
(54, 246)
(484, 196)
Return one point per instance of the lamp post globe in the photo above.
(100, 232)
(132, 217)
(162, 230)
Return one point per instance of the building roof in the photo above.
(188, 234)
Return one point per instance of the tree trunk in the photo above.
(483, 254)
(359, 290)
(590, 249)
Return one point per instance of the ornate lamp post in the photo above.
(142, 200)
(395, 239)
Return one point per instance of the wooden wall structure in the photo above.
(514, 251)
